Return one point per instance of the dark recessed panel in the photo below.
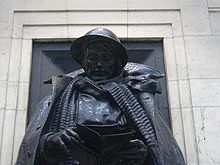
(51, 59)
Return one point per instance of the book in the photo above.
(104, 140)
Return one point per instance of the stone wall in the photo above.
(190, 30)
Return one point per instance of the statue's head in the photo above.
(100, 53)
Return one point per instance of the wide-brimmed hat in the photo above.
(100, 34)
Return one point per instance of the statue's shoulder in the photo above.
(69, 76)
(75, 73)
(141, 71)
(142, 77)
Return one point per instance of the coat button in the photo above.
(38, 127)
(29, 154)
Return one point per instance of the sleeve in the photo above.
(21, 159)
(23, 154)
(44, 151)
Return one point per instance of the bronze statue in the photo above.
(104, 115)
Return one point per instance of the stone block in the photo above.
(205, 92)
(3, 89)
(185, 94)
(26, 56)
(203, 56)
(97, 17)
(77, 31)
(207, 120)
(215, 23)
(213, 3)
(157, 17)
(2, 111)
(177, 128)
(150, 16)
(97, 5)
(36, 18)
(5, 46)
(173, 94)
(157, 4)
(195, 17)
(12, 91)
(23, 94)
(191, 147)
(44, 31)
(150, 31)
(20, 126)
(6, 17)
(7, 137)
(170, 59)
(181, 62)
(39, 5)
(15, 58)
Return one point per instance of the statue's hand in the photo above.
(133, 153)
(57, 145)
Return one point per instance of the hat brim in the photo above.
(77, 48)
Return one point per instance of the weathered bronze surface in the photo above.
(104, 115)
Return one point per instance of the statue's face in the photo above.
(99, 62)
